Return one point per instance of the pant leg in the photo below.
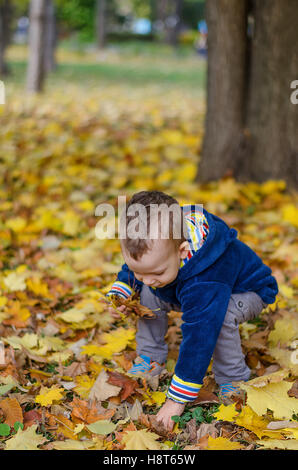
(151, 332)
(228, 359)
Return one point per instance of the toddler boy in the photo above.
(214, 279)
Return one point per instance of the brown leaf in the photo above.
(293, 392)
(127, 384)
(12, 411)
(208, 429)
(76, 368)
(101, 389)
(88, 412)
(204, 396)
(31, 417)
(132, 306)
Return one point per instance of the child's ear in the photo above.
(183, 249)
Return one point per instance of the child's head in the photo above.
(155, 260)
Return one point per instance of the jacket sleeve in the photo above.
(203, 305)
(126, 284)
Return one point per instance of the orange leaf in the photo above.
(65, 426)
(127, 384)
(12, 411)
(89, 414)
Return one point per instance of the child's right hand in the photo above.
(114, 312)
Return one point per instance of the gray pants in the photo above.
(228, 359)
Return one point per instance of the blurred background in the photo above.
(110, 97)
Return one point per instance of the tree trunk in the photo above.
(51, 37)
(5, 32)
(251, 123)
(169, 16)
(272, 119)
(226, 21)
(37, 41)
(101, 26)
(174, 23)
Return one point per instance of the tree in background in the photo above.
(6, 10)
(51, 37)
(37, 42)
(101, 19)
(169, 18)
(251, 123)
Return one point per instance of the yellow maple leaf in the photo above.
(222, 443)
(285, 330)
(140, 440)
(255, 423)
(15, 281)
(272, 396)
(48, 395)
(290, 214)
(91, 350)
(25, 440)
(226, 413)
(38, 287)
(84, 385)
(153, 398)
(290, 444)
(116, 341)
(17, 224)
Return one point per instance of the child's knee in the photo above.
(246, 306)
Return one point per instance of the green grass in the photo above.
(123, 65)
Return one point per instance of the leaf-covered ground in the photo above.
(63, 358)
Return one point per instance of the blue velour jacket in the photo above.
(222, 266)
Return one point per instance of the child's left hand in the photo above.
(169, 409)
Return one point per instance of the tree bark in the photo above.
(251, 123)
(272, 119)
(169, 15)
(37, 41)
(51, 37)
(173, 29)
(226, 78)
(101, 26)
(5, 32)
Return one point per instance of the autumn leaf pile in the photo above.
(63, 358)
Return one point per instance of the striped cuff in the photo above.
(121, 289)
(182, 391)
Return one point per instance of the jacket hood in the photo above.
(219, 238)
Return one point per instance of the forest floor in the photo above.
(63, 358)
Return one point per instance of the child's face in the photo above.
(159, 266)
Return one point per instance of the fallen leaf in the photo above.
(12, 411)
(102, 426)
(25, 440)
(221, 443)
(101, 390)
(48, 395)
(140, 440)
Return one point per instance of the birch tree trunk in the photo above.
(37, 41)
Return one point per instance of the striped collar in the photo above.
(197, 227)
